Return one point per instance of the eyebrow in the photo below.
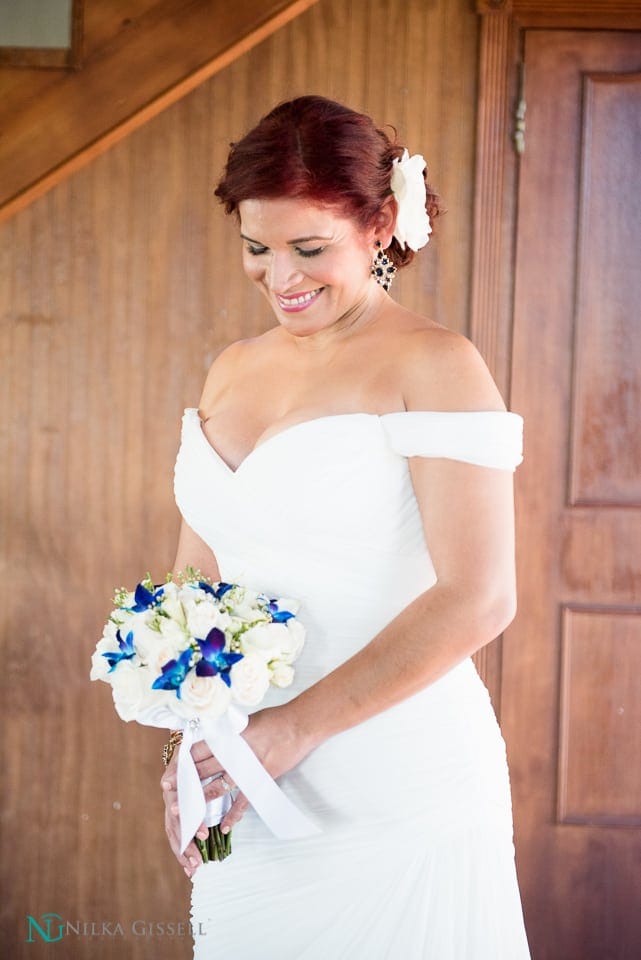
(296, 240)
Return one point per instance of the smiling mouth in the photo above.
(299, 301)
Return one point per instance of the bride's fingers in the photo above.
(168, 783)
(206, 768)
(190, 859)
(209, 767)
(235, 814)
(218, 787)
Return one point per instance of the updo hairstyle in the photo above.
(315, 149)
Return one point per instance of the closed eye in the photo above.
(257, 250)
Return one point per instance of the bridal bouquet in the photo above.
(186, 655)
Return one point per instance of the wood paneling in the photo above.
(58, 125)
(606, 462)
(599, 773)
(117, 289)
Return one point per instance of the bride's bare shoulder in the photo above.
(231, 364)
(440, 369)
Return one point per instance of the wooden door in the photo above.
(571, 684)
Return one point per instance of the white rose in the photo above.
(203, 696)
(282, 675)
(99, 664)
(203, 617)
(189, 593)
(110, 630)
(156, 649)
(275, 641)
(126, 621)
(413, 226)
(263, 640)
(294, 642)
(131, 687)
(173, 632)
(124, 624)
(172, 606)
(243, 605)
(250, 680)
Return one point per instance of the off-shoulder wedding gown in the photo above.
(415, 858)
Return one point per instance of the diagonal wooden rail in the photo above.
(53, 122)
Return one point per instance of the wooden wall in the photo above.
(117, 289)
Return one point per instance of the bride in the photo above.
(358, 457)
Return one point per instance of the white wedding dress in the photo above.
(415, 856)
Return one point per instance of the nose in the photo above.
(282, 273)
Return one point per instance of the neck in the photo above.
(361, 315)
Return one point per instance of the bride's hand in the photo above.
(191, 859)
(273, 739)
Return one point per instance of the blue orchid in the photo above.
(125, 652)
(278, 616)
(221, 590)
(215, 660)
(144, 599)
(174, 672)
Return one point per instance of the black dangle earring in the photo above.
(383, 270)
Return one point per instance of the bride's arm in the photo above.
(468, 521)
(192, 551)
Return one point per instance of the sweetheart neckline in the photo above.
(333, 417)
(286, 430)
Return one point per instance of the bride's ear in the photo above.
(385, 221)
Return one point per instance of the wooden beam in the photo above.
(567, 14)
(150, 63)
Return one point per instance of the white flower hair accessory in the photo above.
(413, 225)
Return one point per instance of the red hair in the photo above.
(315, 149)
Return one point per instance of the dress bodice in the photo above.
(330, 501)
(337, 488)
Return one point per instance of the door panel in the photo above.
(571, 708)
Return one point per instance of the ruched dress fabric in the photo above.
(415, 859)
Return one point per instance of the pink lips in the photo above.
(298, 302)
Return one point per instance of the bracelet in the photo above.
(175, 738)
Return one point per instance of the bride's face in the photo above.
(311, 264)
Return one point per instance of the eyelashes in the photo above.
(258, 251)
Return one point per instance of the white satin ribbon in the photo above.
(223, 737)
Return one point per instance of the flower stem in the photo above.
(217, 846)
(202, 846)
